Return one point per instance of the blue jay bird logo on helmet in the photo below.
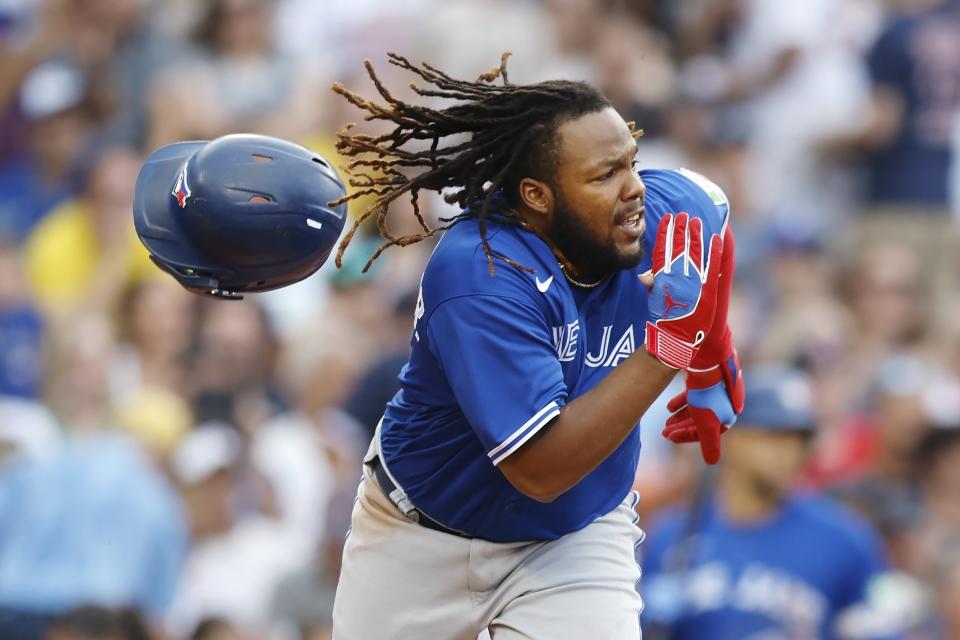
(181, 190)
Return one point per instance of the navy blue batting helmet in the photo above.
(238, 214)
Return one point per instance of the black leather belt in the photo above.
(388, 487)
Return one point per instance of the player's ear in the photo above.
(536, 195)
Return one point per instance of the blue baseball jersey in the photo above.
(791, 576)
(495, 358)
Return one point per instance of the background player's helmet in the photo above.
(237, 214)
(778, 399)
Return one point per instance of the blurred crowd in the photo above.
(177, 467)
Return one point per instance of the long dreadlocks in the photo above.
(510, 131)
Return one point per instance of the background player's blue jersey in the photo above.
(790, 576)
(494, 359)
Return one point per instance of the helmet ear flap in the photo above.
(196, 280)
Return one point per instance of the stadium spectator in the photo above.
(93, 524)
(85, 252)
(938, 465)
(310, 452)
(236, 81)
(157, 325)
(915, 69)
(238, 553)
(58, 128)
(232, 372)
(887, 488)
(22, 328)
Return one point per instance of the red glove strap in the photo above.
(668, 349)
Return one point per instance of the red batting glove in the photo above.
(704, 411)
(714, 393)
(683, 297)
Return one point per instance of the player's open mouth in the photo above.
(632, 224)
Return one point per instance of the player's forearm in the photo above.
(588, 429)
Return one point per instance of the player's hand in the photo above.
(714, 393)
(683, 284)
(707, 408)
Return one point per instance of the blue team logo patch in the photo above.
(181, 190)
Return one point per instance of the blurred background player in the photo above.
(753, 556)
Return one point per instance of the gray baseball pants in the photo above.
(402, 581)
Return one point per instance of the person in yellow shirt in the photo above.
(85, 252)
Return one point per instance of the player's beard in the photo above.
(577, 242)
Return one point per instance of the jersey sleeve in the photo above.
(716, 218)
(683, 190)
(499, 359)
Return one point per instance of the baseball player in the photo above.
(754, 559)
(556, 307)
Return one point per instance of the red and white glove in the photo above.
(683, 297)
(714, 393)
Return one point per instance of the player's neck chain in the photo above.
(585, 285)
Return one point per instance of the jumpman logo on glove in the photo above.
(669, 303)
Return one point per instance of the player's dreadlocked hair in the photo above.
(510, 130)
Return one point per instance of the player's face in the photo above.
(769, 462)
(598, 212)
